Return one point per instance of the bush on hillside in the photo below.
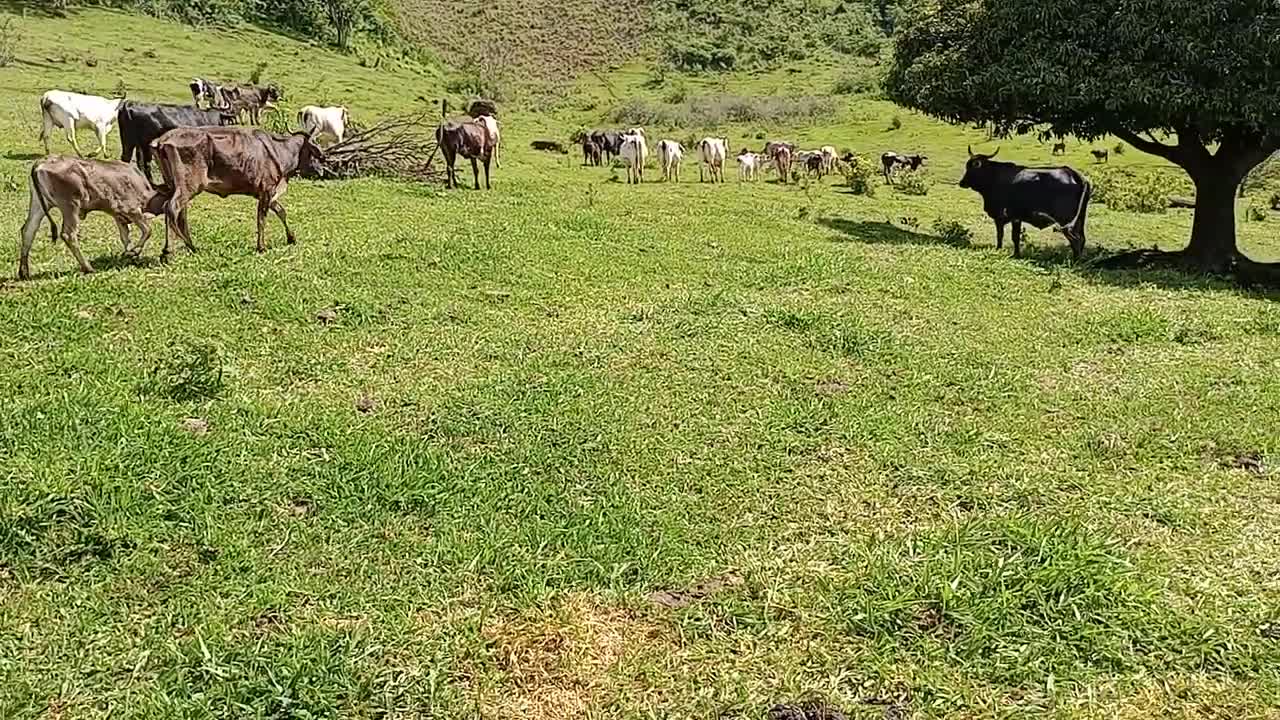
(953, 233)
(912, 182)
(861, 175)
(859, 84)
(715, 110)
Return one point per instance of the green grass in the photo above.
(954, 482)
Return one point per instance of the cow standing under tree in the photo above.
(1043, 197)
(230, 161)
(77, 187)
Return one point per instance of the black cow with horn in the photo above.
(1056, 197)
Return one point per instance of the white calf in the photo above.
(712, 152)
(670, 155)
(69, 110)
(635, 152)
(324, 122)
(749, 166)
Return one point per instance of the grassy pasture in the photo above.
(450, 445)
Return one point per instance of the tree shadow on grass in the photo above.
(878, 233)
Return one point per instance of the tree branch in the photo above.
(1159, 149)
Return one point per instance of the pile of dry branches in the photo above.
(401, 147)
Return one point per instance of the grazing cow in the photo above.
(828, 159)
(891, 160)
(143, 123)
(250, 99)
(670, 155)
(591, 153)
(68, 110)
(773, 145)
(1060, 148)
(810, 161)
(781, 156)
(470, 139)
(231, 161)
(713, 152)
(1100, 155)
(77, 187)
(635, 152)
(549, 146)
(749, 166)
(609, 142)
(1043, 197)
(495, 135)
(321, 122)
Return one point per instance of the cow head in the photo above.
(977, 170)
(271, 95)
(310, 156)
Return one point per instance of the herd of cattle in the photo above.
(203, 148)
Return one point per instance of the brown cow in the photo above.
(251, 99)
(77, 187)
(470, 139)
(781, 155)
(231, 161)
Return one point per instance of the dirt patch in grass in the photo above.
(675, 599)
(571, 659)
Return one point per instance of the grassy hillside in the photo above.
(571, 448)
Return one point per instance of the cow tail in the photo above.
(43, 198)
(1082, 210)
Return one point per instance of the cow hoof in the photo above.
(291, 240)
(166, 257)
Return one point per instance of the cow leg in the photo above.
(71, 236)
(263, 205)
(122, 224)
(486, 173)
(102, 142)
(35, 215)
(175, 213)
(1017, 239)
(46, 127)
(999, 235)
(475, 172)
(278, 209)
(144, 234)
(71, 135)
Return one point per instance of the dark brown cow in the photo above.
(231, 161)
(470, 139)
(77, 187)
(780, 153)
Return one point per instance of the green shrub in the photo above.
(1118, 149)
(855, 85)
(953, 233)
(912, 182)
(896, 123)
(861, 175)
(1126, 191)
(1257, 212)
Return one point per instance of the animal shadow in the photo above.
(112, 262)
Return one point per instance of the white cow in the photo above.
(749, 166)
(828, 158)
(69, 111)
(495, 135)
(324, 121)
(670, 155)
(635, 152)
(712, 152)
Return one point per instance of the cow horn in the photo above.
(970, 147)
(997, 152)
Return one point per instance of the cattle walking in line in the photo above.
(68, 110)
(780, 154)
(635, 152)
(670, 156)
(1060, 148)
(141, 124)
(892, 160)
(324, 122)
(749, 166)
(712, 152)
(1100, 155)
(230, 161)
(77, 187)
(1043, 197)
(470, 139)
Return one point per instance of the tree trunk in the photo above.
(1213, 228)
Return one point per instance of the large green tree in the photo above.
(1196, 82)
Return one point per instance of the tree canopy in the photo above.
(1172, 77)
